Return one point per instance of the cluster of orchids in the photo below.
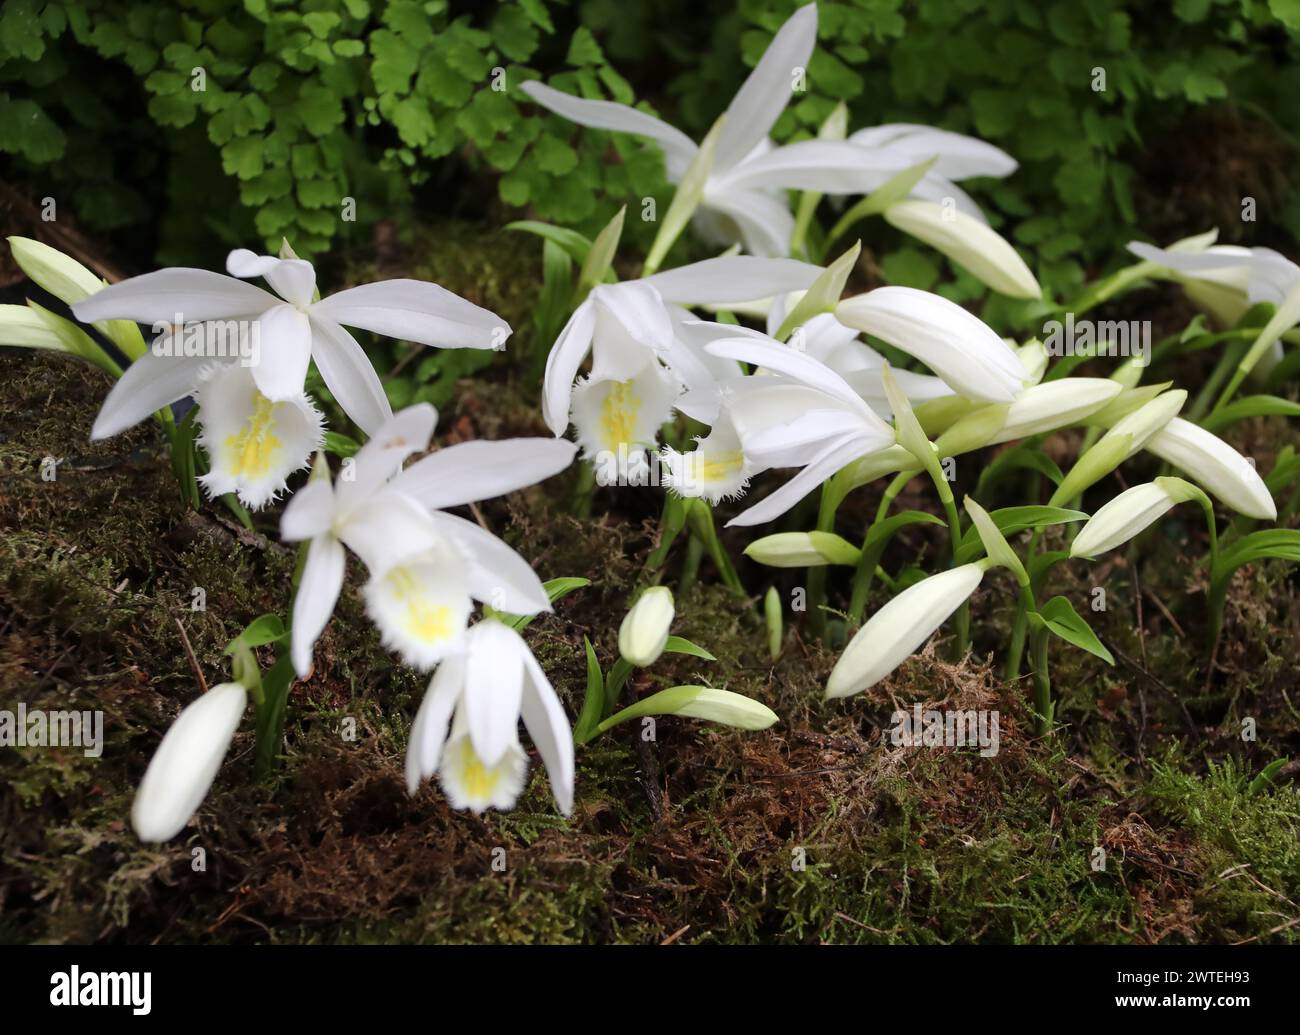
(252, 428)
(894, 383)
(660, 382)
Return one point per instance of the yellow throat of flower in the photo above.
(618, 415)
(720, 466)
(253, 450)
(422, 618)
(479, 782)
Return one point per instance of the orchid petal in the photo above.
(480, 470)
(285, 352)
(151, 383)
(494, 685)
(547, 724)
(678, 148)
(429, 730)
(349, 375)
(415, 310)
(162, 296)
(763, 96)
(318, 591)
(496, 574)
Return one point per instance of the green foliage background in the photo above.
(391, 103)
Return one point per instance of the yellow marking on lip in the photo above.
(618, 415)
(254, 449)
(426, 621)
(721, 467)
(479, 781)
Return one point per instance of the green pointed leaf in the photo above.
(268, 628)
(596, 266)
(893, 190)
(1251, 406)
(1060, 618)
(571, 241)
(340, 445)
(1279, 543)
(681, 645)
(593, 701)
(689, 194)
(994, 542)
(32, 326)
(824, 294)
(1264, 779)
(555, 590)
(1014, 520)
(882, 531)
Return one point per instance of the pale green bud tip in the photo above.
(644, 632)
(802, 550)
(725, 707)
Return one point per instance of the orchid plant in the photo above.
(656, 374)
(813, 392)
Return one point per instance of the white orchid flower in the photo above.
(253, 444)
(644, 632)
(640, 366)
(426, 567)
(467, 727)
(739, 202)
(897, 146)
(743, 200)
(1225, 280)
(800, 414)
(840, 348)
(1220, 469)
(186, 762)
(291, 328)
(971, 358)
(900, 627)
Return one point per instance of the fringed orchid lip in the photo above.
(467, 728)
(253, 444)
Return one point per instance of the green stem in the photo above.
(1227, 360)
(817, 626)
(1038, 664)
(1019, 629)
(865, 572)
(700, 516)
(1215, 596)
(584, 489)
(808, 202)
(615, 682)
(690, 564)
(954, 540)
(1042, 682)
